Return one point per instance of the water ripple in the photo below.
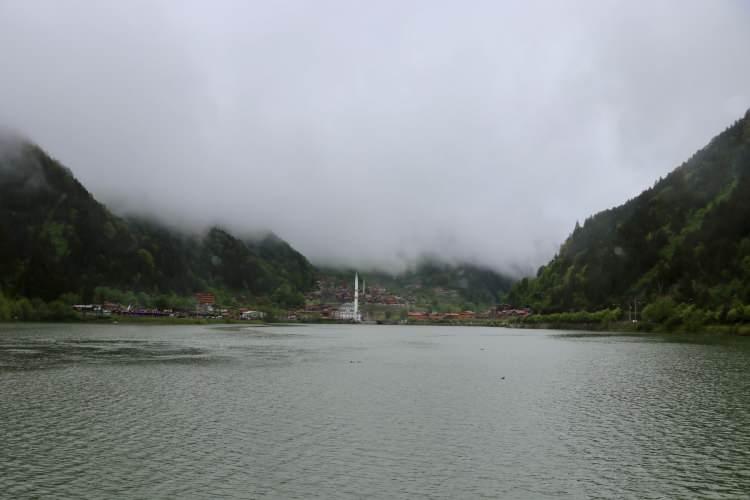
(466, 413)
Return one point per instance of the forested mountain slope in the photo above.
(55, 238)
(687, 239)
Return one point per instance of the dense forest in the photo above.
(57, 243)
(680, 248)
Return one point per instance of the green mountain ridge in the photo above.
(686, 240)
(55, 238)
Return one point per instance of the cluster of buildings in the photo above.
(110, 308)
(343, 304)
(507, 311)
(330, 312)
(337, 301)
(331, 291)
(205, 308)
(503, 311)
(346, 311)
(436, 316)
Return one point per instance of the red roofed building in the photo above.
(206, 301)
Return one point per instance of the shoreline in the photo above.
(616, 327)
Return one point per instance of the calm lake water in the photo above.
(123, 411)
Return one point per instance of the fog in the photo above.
(370, 133)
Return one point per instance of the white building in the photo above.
(252, 315)
(347, 312)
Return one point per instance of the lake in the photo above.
(336, 411)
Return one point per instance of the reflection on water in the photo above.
(382, 412)
(34, 354)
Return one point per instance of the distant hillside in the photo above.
(55, 238)
(435, 284)
(686, 239)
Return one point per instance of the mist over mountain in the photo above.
(685, 240)
(57, 242)
(372, 134)
(56, 239)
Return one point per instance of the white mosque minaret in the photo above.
(356, 297)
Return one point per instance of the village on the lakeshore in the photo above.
(332, 300)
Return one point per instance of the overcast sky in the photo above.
(372, 132)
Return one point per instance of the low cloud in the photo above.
(17, 168)
(373, 133)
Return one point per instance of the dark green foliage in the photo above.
(6, 308)
(286, 296)
(681, 247)
(24, 309)
(56, 239)
(603, 318)
(287, 263)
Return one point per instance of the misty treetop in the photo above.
(686, 239)
(55, 238)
